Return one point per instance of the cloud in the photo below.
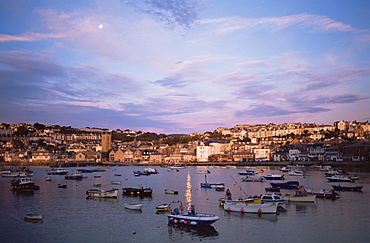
(183, 13)
(28, 37)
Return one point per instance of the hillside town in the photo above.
(38, 144)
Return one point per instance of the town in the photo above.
(37, 144)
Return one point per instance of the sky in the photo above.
(183, 66)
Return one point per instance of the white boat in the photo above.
(269, 198)
(170, 191)
(273, 177)
(33, 216)
(14, 174)
(339, 178)
(116, 182)
(133, 206)
(267, 208)
(240, 200)
(59, 171)
(113, 193)
(297, 173)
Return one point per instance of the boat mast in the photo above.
(241, 189)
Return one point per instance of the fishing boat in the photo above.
(273, 177)
(210, 185)
(285, 185)
(253, 179)
(163, 208)
(137, 192)
(191, 218)
(330, 194)
(266, 208)
(59, 171)
(300, 195)
(269, 198)
(169, 191)
(113, 193)
(240, 200)
(347, 188)
(134, 206)
(33, 216)
(77, 175)
(23, 184)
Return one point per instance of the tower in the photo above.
(106, 143)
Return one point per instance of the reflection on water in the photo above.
(174, 230)
(111, 200)
(252, 216)
(188, 191)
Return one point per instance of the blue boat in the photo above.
(191, 218)
(211, 185)
(285, 185)
(247, 172)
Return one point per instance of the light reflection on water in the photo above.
(70, 217)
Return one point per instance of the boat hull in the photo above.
(102, 194)
(133, 206)
(348, 188)
(211, 185)
(222, 201)
(267, 208)
(286, 185)
(193, 220)
(137, 192)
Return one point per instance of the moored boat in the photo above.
(331, 194)
(297, 173)
(115, 182)
(59, 171)
(77, 175)
(210, 185)
(253, 179)
(191, 218)
(272, 198)
(163, 208)
(347, 188)
(62, 186)
(301, 195)
(285, 185)
(23, 184)
(151, 170)
(113, 193)
(202, 172)
(273, 177)
(177, 166)
(134, 206)
(240, 200)
(170, 191)
(173, 170)
(33, 216)
(266, 208)
(137, 192)
(339, 178)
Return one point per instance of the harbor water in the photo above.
(69, 216)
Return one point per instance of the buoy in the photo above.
(228, 209)
(242, 210)
(259, 210)
(158, 226)
(134, 232)
(207, 198)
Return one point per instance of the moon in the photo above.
(101, 26)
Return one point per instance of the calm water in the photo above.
(70, 217)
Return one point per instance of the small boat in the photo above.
(331, 194)
(133, 206)
(202, 172)
(163, 208)
(139, 173)
(285, 169)
(173, 170)
(272, 189)
(240, 200)
(23, 184)
(266, 208)
(99, 170)
(191, 218)
(273, 177)
(113, 193)
(77, 175)
(211, 185)
(297, 173)
(97, 176)
(272, 198)
(220, 188)
(14, 174)
(97, 184)
(169, 191)
(85, 170)
(179, 166)
(33, 216)
(59, 171)
(117, 174)
(62, 186)
(151, 170)
(253, 179)
(48, 179)
(285, 185)
(115, 182)
(247, 172)
(348, 188)
(339, 178)
(301, 195)
(137, 192)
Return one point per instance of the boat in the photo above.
(269, 198)
(273, 177)
(62, 186)
(272, 189)
(97, 176)
(97, 184)
(117, 174)
(301, 195)
(33, 216)
(137, 192)
(99, 170)
(285, 169)
(163, 208)
(169, 191)
(23, 184)
(297, 173)
(253, 179)
(14, 174)
(202, 172)
(247, 172)
(48, 179)
(265, 208)
(285, 185)
(113, 193)
(133, 206)
(331, 194)
(339, 178)
(115, 182)
(240, 200)
(220, 188)
(179, 166)
(59, 171)
(348, 188)
(210, 185)
(151, 170)
(85, 170)
(77, 175)
(173, 170)
(139, 173)
(191, 218)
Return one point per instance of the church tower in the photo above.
(106, 143)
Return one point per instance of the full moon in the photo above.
(100, 26)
